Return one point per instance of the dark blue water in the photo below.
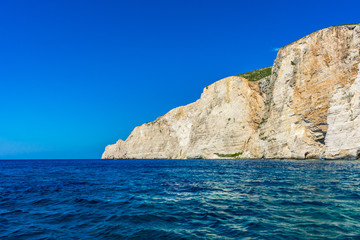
(179, 199)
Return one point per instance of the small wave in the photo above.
(155, 234)
(140, 218)
(87, 201)
(60, 218)
(14, 212)
(77, 183)
(42, 201)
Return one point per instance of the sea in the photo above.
(179, 199)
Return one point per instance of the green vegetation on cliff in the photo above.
(256, 74)
(232, 155)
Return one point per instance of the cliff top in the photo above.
(256, 75)
(334, 26)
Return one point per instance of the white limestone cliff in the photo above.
(308, 108)
(208, 128)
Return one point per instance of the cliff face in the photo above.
(308, 108)
(313, 110)
(221, 123)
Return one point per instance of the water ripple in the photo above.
(179, 199)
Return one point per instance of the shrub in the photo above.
(256, 74)
(230, 155)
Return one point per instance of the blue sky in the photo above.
(78, 75)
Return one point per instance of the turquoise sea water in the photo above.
(179, 199)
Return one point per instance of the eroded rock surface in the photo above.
(221, 123)
(308, 108)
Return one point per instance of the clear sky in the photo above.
(77, 75)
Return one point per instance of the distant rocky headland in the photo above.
(306, 106)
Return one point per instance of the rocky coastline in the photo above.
(306, 106)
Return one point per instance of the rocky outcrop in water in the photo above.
(307, 106)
